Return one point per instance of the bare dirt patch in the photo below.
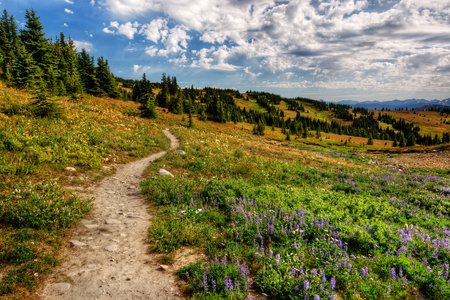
(426, 160)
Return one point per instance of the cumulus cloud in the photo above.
(136, 68)
(68, 11)
(65, 25)
(346, 43)
(83, 45)
(128, 29)
(155, 30)
(69, 1)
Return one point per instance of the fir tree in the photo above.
(86, 68)
(288, 136)
(24, 71)
(147, 108)
(33, 38)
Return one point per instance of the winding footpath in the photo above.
(107, 256)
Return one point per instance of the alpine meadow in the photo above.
(266, 196)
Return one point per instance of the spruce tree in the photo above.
(24, 72)
(288, 136)
(147, 108)
(86, 68)
(33, 38)
(106, 79)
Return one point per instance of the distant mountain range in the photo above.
(416, 104)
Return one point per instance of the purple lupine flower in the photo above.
(305, 296)
(324, 278)
(400, 272)
(321, 287)
(314, 272)
(270, 253)
(403, 280)
(256, 255)
(349, 267)
(393, 274)
(236, 234)
(388, 289)
(332, 283)
(332, 296)
(306, 285)
(296, 289)
(205, 282)
(292, 273)
(213, 285)
(316, 297)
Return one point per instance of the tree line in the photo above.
(30, 60)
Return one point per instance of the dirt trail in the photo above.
(107, 255)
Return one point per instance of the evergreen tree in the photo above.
(147, 108)
(44, 107)
(24, 72)
(191, 121)
(176, 103)
(86, 67)
(411, 141)
(9, 43)
(288, 136)
(106, 78)
(370, 141)
(33, 38)
(318, 135)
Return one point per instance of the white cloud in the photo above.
(253, 75)
(340, 42)
(83, 45)
(69, 1)
(68, 11)
(106, 30)
(92, 2)
(155, 30)
(128, 29)
(213, 59)
(65, 25)
(136, 68)
(152, 50)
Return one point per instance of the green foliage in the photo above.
(148, 109)
(291, 222)
(44, 107)
(42, 205)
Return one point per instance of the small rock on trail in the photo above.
(108, 258)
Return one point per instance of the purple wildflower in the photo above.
(393, 274)
(306, 285)
(332, 283)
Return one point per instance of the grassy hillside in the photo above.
(430, 122)
(36, 209)
(309, 216)
(295, 223)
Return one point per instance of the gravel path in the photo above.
(106, 257)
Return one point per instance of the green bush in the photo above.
(42, 205)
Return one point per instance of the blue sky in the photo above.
(322, 49)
